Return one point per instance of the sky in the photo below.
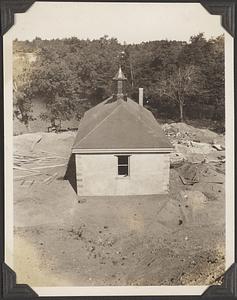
(128, 22)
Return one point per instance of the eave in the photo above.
(116, 151)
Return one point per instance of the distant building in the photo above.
(120, 149)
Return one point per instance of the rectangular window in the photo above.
(123, 165)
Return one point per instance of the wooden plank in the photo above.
(24, 176)
(46, 167)
(25, 169)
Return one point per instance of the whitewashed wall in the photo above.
(97, 175)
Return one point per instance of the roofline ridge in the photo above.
(98, 125)
(97, 105)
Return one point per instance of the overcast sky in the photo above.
(129, 22)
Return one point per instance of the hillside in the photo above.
(72, 75)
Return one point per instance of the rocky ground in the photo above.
(65, 240)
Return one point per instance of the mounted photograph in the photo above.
(119, 148)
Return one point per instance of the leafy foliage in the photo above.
(180, 79)
(22, 93)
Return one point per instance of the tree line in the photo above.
(181, 80)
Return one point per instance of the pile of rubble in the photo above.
(183, 132)
(206, 173)
(194, 145)
(174, 132)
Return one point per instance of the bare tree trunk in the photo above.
(52, 121)
(181, 111)
(131, 71)
(27, 125)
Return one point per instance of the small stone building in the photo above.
(120, 149)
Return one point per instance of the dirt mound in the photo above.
(193, 144)
(195, 153)
(41, 159)
(59, 143)
(24, 143)
(185, 132)
(208, 173)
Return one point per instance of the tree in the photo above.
(208, 56)
(54, 81)
(181, 84)
(72, 75)
(22, 92)
(59, 109)
(22, 105)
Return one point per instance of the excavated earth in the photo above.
(65, 240)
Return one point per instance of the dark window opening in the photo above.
(123, 165)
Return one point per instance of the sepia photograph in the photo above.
(118, 120)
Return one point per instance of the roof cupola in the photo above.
(120, 86)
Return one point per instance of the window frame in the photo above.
(123, 165)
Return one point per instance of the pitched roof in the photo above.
(120, 125)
